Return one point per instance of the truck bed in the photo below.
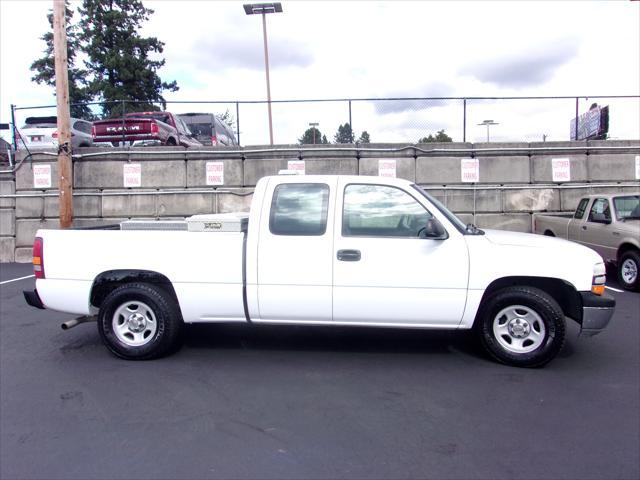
(86, 254)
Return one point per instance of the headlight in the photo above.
(599, 278)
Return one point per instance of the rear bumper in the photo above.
(127, 137)
(596, 312)
(33, 299)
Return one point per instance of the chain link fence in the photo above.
(399, 120)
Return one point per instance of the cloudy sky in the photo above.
(329, 50)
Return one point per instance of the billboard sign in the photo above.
(592, 125)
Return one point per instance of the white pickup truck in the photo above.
(324, 250)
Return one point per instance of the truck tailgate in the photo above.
(116, 129)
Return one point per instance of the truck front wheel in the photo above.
(521, 326)
(139, 321)
(629, 270)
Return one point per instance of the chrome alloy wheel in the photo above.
(629, 271)
(134, 323)
(518, 329)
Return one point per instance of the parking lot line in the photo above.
(614, 289)
(16, 279)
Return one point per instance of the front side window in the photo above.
(381, 211)
(299, 209)
(600, 211)
(582, 206)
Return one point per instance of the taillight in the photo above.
(155, 128)
(214, 140)
(93, 131)
(38, 257)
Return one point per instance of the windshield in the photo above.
(627, 207)
(459, 224)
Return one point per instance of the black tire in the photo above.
(521, 326)
(149, 319)
(629, 270)
(171, 142)
(549, 233)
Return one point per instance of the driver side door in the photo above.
(383, 273)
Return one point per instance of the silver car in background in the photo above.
(42, 132)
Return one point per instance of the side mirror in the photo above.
(433, 230)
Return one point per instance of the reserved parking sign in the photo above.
(387, 168)
(132, 175)
(215, 173)
(42, 176)
(561, 169)
(469, 170)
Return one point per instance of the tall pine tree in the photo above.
(45, 71)
(312, 136)
(344, 134)
(118, 57)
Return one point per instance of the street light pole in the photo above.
(313, 126)
(263, 9)
(266, 67)
(487, 123)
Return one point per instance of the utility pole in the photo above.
(65, 167)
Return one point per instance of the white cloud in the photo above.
(376, 49)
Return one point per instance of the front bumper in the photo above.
(596, 312)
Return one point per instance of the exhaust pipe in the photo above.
(77, 321)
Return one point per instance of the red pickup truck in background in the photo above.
(162, 127)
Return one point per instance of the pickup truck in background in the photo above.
(323, 250)
(163, 128)
(609, 224)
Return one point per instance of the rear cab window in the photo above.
(299, 209)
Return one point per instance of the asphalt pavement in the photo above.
(308, 402)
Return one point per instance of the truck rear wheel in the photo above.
(521, 326)
(139, 321)
(629, 270)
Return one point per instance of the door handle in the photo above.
(349, 255)
(584, 227)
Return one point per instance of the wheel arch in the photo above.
(564, 293)
(107, 281)
(624, 248)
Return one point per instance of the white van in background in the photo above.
(209, 129)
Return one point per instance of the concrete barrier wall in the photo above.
(7, 218)
(515, 180)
